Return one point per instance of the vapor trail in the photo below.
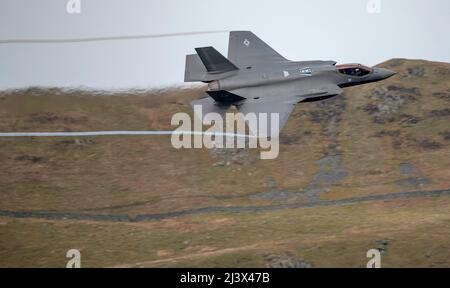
(116, 133)
(95, 39)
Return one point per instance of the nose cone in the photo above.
(385, 73)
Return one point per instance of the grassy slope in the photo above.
(374, 131)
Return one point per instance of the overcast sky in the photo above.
(299, 29)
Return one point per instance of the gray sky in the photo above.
(299, 29)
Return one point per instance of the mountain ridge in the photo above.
(391, 136)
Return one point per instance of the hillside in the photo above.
(367, 169)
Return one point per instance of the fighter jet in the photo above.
(255, 78)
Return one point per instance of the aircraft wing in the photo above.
(246, 49)
(282, 109)
(288, 90)
(282, 104)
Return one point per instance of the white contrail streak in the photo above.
(110, 38)
(116, 133)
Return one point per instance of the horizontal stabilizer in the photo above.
(214, 61)
(224, 96)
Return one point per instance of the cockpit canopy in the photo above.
(355, 70)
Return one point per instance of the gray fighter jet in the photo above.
(255, 78)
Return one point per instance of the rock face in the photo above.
(387, 102)
(286, 261)
(382, 245)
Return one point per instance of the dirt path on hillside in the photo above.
(217, 209)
